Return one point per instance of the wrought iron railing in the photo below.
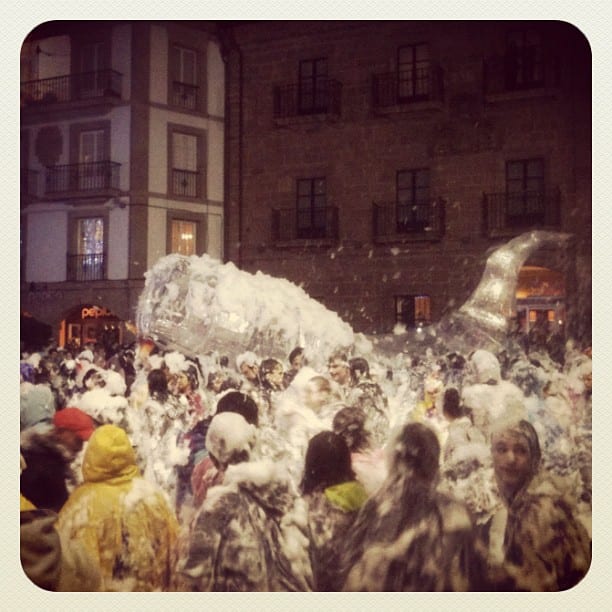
(322, 97)
(506, 73)
(401, 87)
(185, 183)
(28, 182)
(89, 176)
(184, 95)
(72, 87)
(507, 212)
(421, 221)
(86, 267)
(309, 224)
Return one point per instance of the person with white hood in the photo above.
(489, 398)
(251, 534)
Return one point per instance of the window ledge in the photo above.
(305, 243)
(409, 237)
(409, 107)
(521, 94)
(306, 119)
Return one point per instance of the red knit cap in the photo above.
(75, 420)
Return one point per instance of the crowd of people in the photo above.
(144, 469)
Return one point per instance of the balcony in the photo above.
(185, 183)
(86, 267)
(505, 74)
(91, 179)
(315, 224)
(507, 214)
(403, 89)
(392, 222)
(71, 88)
(28, 184)
(296, 100)
(185, 95)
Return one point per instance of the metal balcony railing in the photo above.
(322, 97)
(86, 177)
(185, 95)
(311, 224)
(401, 87)
(185, 183)
(72, 87)
(86, 267)
(28, 182)
(418, 221)
(509, 212)
(519, 72)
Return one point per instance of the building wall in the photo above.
(465, 141)
(138, 123)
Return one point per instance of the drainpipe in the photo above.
(230, 45)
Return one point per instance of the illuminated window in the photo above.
(183, 237)
(413, 310)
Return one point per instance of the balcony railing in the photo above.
(86, 267)
(418, 222)
(28, 183)
(185, 183)
(86, 177)
(507, 213)
(311, 224)
(185, 95)
(400, 87)
(299, 99)
(72, 87)
(508, 73)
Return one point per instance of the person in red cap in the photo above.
(73, 428)
(53, 456)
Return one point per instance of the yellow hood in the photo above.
(109, 456)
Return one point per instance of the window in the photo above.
(525, 192)
(311, 208)
(92, 173)
(185, 232)
(185, 180)
(413, 72)
(184, 90)
(413, 310)
(92, 65)
(87, 262)
(412, 200)
(183, 237)
(313, 86)
(524, 65)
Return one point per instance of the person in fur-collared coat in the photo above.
(251, 533)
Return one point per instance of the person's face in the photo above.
(297, 361)
(250, 372)
(338, 371)
(511, 460)
(95, 381)
(275, 376)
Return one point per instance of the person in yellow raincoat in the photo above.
(125, 523)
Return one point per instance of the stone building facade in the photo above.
(377, 163)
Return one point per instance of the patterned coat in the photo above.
(331, 513)
(410, 538)
(251, 534)
(538, 542)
